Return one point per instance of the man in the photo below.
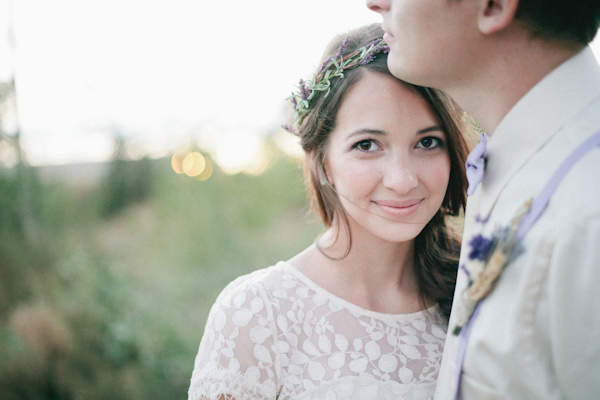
(522, 69)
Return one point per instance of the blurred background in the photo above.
(142, 168)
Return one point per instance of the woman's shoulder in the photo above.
(254, 284)
(264, 277)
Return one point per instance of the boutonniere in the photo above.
(487, 258)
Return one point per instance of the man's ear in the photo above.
(496, 15)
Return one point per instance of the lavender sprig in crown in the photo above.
(332, 67)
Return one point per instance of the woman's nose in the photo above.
(400, 175)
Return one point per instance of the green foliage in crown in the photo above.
(332, 67)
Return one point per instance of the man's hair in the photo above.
(574, 21)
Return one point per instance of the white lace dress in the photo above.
(275, 334)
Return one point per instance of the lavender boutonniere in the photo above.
(487, 258)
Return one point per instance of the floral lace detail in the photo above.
(276, 334)
(226, 384)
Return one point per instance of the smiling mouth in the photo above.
(399, 209)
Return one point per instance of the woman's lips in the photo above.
(399, 208)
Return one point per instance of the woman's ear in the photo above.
(310, 159)
(326, 176)
(496, 15)
(318, 170)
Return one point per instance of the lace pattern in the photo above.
(226, 384)
(276, 334)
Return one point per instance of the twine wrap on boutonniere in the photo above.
(488, 256)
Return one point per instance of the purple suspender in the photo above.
(538, 206)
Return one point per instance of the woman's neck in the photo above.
(375, 274)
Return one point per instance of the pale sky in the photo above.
(163, 72)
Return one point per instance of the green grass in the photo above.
(125, 294)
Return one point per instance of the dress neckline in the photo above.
(432, 311)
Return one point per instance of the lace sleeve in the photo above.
(237, 358)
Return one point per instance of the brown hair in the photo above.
(574, 21)
(436, 249)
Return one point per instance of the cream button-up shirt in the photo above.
(537, 335)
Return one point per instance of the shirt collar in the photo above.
(535, 119)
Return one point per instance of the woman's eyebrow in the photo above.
(366, 131)
(430, 129)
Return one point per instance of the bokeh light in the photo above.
(208, 170)
(176, 163)
(193, 164)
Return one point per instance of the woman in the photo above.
(362, 313)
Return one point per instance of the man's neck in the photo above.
(490, 93)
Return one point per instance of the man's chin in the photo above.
(404, 72)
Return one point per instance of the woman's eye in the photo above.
(366, 145)
(429, 142)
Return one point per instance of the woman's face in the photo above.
(387, 159)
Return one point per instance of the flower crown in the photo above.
(332, 67)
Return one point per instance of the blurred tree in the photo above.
(127, 182)
(21, 240)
